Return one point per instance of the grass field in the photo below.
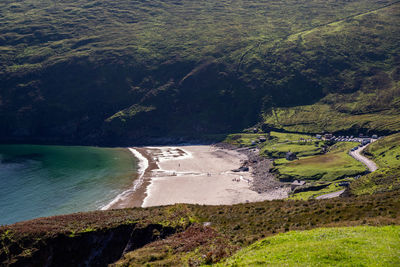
(302, 149)
(245, 139)
(333, 165)
(278, 144)
(356, 246)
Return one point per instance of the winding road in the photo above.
(367, 162)
(371, 166)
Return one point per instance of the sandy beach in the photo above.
(198, 174)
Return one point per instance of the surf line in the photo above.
(143, 165)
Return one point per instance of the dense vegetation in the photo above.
(366, 246)
(210, 233)
(90, 71)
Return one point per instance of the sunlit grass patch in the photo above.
(246, 139)
(279, 150)
(357, 246)
(385, 152)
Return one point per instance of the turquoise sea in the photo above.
(38, 180)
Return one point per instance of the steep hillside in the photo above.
(99, 71)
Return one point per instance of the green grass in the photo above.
(312, 164)
(385, 152)
(287, 137)
(333, 165)
(322, 117)
(302, 149)
(381, 180)
(245, 139)
(355, 246)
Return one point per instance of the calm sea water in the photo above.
(37, 181)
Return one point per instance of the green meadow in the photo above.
(355, 246)
(333, 165)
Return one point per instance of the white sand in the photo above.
(200, 175)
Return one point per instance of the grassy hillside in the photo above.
(386, 153)
(99, 71)
(363, 97)
(355, 246)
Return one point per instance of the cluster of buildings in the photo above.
(361, 138)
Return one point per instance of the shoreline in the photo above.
(198, 174)
(132, 196)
